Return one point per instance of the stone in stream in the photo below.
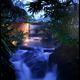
(26, 48)
(37, 66)
(39, 69)
(67, 59)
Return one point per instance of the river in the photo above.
(30, 60)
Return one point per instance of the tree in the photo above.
(9, 14)
(49, 6)
(60, 13)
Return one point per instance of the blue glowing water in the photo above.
(26, 63)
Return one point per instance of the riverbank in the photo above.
(67, 58)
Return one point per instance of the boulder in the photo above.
(67, 59)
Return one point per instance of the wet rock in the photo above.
(26, 48)
(39, 69)
(67, 59)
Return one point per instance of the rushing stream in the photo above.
(32, 64)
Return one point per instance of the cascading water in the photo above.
(32, 64)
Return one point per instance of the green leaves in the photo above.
(9, 34)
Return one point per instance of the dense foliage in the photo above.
(63, 15)
(9, 14)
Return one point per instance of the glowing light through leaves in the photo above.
(14, 43)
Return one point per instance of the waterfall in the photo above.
(36, 65)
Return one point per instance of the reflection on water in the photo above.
(32, 39)
(26, 63)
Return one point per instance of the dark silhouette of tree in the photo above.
(51, 7)
(10, 10)
(9, 13)
(60, 13)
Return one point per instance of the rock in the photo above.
(26, 48)
(39, 69)
(67, 59)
